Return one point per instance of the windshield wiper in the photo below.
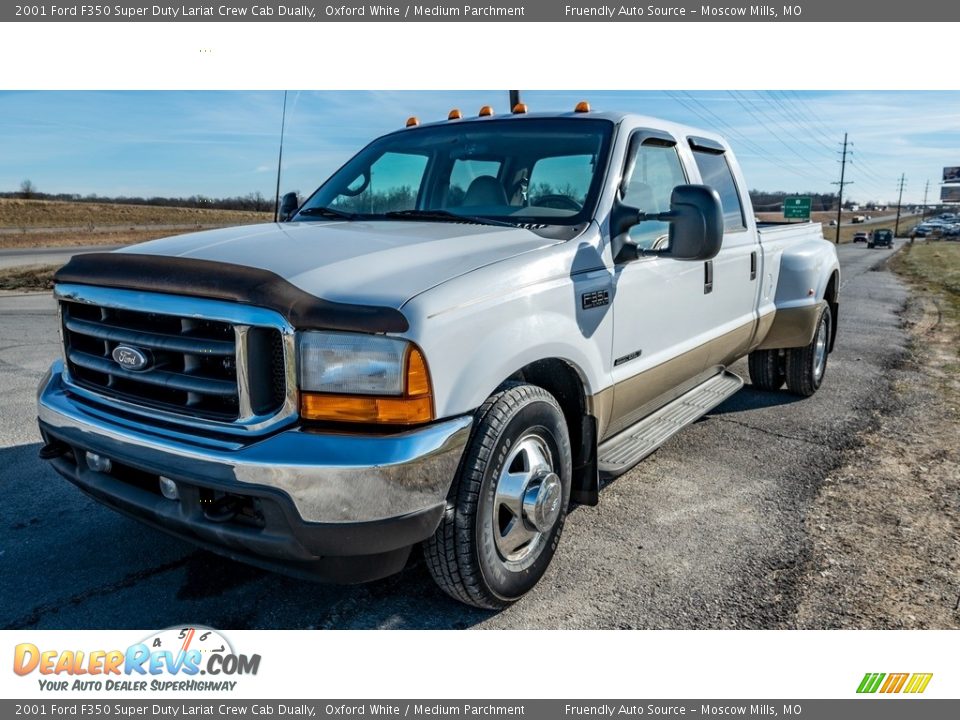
(327, 212)
(444, 216)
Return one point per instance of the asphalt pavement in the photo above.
(706, 533)
(22, 257)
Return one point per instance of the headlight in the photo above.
(347, 377)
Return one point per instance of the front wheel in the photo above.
(807, 365)
(506, 509)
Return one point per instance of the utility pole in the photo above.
(896, 228)
(925, 191)
(843, 169)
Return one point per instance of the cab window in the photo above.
(561, 182)
(392, 182)
(656, 172)
(462, 175)
(715, 172)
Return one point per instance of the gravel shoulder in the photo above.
(885, 526)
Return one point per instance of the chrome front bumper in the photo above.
(331, 494)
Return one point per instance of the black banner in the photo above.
(853, 11)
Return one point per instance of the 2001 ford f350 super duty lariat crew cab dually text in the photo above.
(449, 342)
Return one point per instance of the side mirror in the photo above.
(696, 225)
(289, 204)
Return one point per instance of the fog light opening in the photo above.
(99, 463)
(168, 488)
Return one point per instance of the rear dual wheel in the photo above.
(806, 366)
(802, 369)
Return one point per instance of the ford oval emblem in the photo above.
(129, 358)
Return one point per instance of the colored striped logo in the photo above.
(894, 682)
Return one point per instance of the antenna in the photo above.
(283, 124)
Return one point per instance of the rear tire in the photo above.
(506, 508)
(807, 365)
(766, 370)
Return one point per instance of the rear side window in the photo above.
(716, 173)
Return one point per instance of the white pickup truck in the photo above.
(449, 342)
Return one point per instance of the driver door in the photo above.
(661, 325)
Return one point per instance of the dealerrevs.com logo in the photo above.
(910, 683)
(172, 659)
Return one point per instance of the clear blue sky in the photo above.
(225, 143)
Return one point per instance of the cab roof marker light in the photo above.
(455, 114)
(486, 111)
(412, 121)
(520, 109)
(582, 107)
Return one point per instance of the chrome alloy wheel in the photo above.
(820, 352)
(526, 504)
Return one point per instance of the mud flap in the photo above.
(585, 488)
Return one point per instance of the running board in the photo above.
(623, 451)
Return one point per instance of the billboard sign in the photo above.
(950, 193)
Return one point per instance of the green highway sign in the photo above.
(796, 207)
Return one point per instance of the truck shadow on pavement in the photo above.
(69, 562)
(747, 398)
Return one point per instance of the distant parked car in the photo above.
(881, 238)
(858, 219)
(860, 237)
(833, 223)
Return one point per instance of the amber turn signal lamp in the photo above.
(486, 111)
(582, 107)
(454, 115)
(412, 121)
(519, 108)
(414, 407)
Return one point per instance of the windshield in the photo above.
(519, 171)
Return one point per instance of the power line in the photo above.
(827, 133)
(765, 154)
(762, 122)
(801, 123)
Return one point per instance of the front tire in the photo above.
(807, 365)
(506, 508)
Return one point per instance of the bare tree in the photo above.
(27, 189)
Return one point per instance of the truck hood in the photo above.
(373, 263)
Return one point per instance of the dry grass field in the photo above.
(53, 223)
(55, 214)
(33, 278)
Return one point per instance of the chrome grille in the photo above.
(192, 363)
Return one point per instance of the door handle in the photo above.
(708, 277)
(753, 265)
